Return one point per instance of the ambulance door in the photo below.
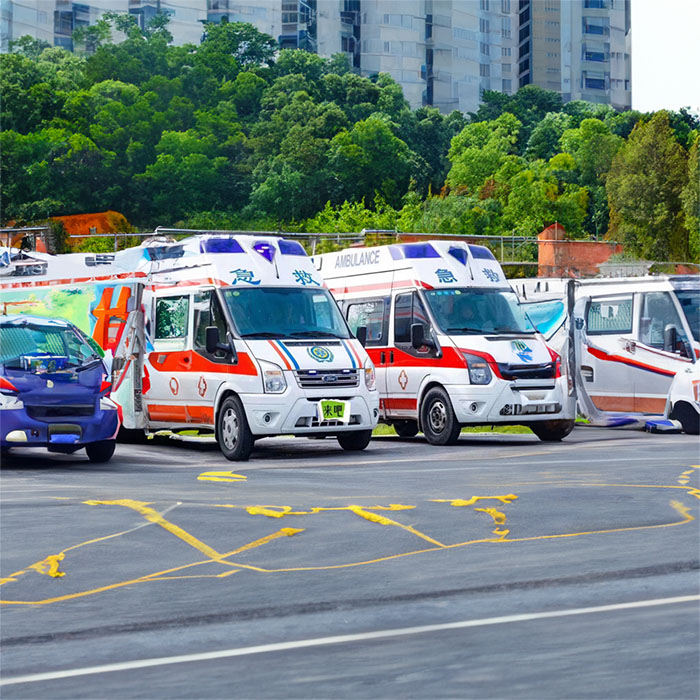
(208, 370)
(662, 348)
(374, 315)
(407, 367)
(607, 355)
(170, 361)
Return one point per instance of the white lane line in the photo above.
(340, 639)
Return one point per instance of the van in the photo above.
(450, 342)
(54, 389)
(636, 343)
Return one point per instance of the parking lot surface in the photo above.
(501, 567)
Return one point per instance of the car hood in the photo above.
(68, 386)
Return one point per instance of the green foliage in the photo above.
(232, 133)
(690, 198)
(644, 188)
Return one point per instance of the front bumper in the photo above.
(285, 414)
(521, 402)
(18, 429)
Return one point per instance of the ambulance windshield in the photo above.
(690, 302)
(478, 311)
(283, 312)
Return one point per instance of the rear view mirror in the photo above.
(417, 336)
(212, 339)
(361, 335)
(670, 338)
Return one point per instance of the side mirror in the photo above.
(670, 338)
(211, 339)
(361, 335)
(417, 336)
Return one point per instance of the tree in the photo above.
(230, 46)
(644, 188)
(544, 139)
(690, 198)
(479, 150)
(370, 158)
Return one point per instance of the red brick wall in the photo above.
(557, 257)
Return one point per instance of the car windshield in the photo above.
(478, 311)
(34, 346)
(690, 303)
(283, 312)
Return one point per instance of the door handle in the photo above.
(391, 357)
(382, 358)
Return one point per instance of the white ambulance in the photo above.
(450, 342)
(237, 334)
(636, 343)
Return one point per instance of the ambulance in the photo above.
(449, 340)
(636, 344)
(233, 333)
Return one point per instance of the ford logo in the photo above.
(330, 378)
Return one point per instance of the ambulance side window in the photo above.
(172, 314)
(372, 314)
(658, 312)
(207, 312)
(408, 309)
(609, 316)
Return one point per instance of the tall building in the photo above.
(442, 52)
(580, 48)
(56, 20)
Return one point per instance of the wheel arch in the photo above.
(223, 393)
(428, 384)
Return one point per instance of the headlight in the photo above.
(478, 367)
(273, 378)
(370, 379)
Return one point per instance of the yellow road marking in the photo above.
(221, 476)
(458, 502)
(51, 563)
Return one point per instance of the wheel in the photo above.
(438, 420)
(101, 451)
(232, 431)
(688, 417)
(552, 430)
(355, 441)
(132, 436)
(406, 428)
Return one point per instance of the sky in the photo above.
(665, 54)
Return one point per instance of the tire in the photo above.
(132, 436)
(438, 420)
(552, 430)
(355, 441)
(687, 416)
(232, 430)
(406, 428)
(101, 451)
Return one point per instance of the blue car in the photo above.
(54, 389)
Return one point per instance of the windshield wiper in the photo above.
(315, 334)
(511, 331)
(464, 329)
(262, 334)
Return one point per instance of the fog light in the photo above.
(267, 418)
(16, 436)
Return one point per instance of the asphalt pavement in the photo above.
(502, 567)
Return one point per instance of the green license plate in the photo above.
(333, 410)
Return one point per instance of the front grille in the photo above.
(327, 378)
(63, 411)
(512, 372)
